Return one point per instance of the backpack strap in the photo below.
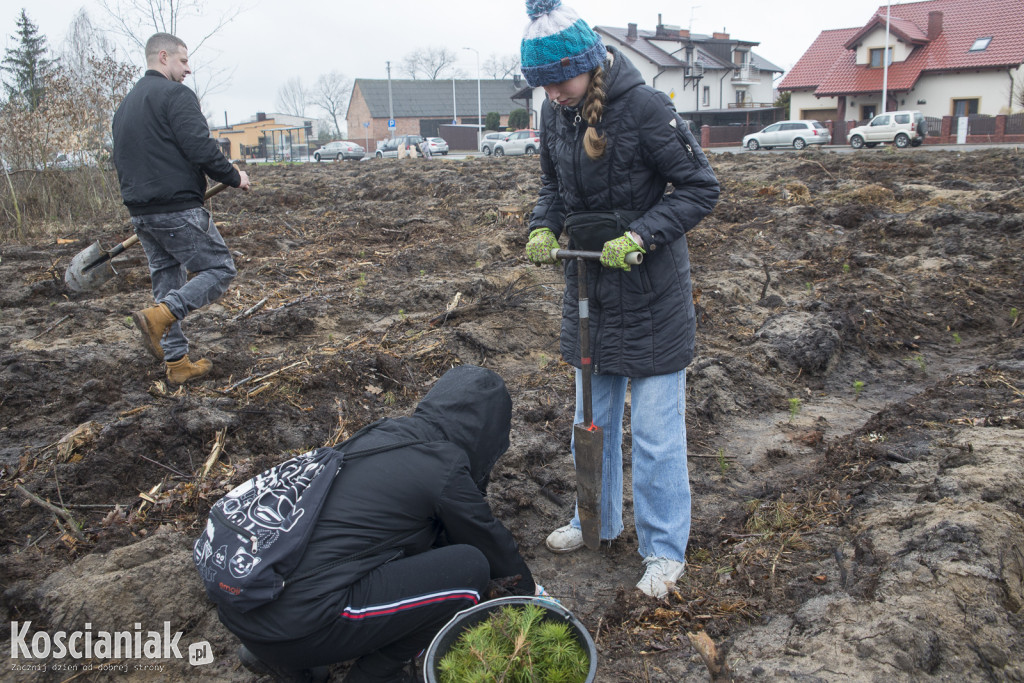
(376, 449)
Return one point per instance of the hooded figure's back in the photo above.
(397, 503)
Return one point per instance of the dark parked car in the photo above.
(340, 150)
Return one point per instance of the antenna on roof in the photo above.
(692, 8)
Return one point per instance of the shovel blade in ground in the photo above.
(589, 444)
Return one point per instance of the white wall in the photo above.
(875, 40)
(992, 88)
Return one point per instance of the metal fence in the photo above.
(732, 134)
(977, 124)
(1015, 124)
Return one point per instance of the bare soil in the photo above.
(855, 410)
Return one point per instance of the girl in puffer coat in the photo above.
(610, 146)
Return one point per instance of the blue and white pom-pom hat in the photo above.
(557, 44)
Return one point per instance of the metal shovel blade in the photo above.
(589, 443)
(82, 275)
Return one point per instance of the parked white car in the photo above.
(521, 142)
(489, 140)
(795, 134)
(901, 128)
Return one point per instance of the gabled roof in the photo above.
(646, 44)
(901, 28)
(433, 98)
(829, 65)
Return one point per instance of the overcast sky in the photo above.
(272, 41)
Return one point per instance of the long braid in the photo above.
(594, 143)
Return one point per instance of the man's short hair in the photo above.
(162, 41)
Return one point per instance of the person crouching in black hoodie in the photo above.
(404, 541)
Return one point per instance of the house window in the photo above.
(706, 100)
(875, 57)
(980, 44)
(965, 107)
(741, 96)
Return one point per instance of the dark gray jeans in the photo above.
(177, 244)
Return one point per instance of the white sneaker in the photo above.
(565, 539)
(661, 575)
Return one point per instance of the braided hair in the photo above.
(594, 142)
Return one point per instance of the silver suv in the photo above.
(521, 142)
(390, 147)
(488, 141)
(900, 128)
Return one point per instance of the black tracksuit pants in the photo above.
(391, 614)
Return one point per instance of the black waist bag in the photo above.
(589, 230)
(255, 535)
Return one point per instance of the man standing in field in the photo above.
(163, 153)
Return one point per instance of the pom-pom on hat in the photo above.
(557, 44)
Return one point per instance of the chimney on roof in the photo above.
(261, 116)
(631, 32)
(720, 36)
(934, 24)
(684, 33)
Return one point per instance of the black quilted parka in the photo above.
(642, 321)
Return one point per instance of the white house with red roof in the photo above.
(946, 58)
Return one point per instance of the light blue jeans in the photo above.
(661, 480)
(177, 244)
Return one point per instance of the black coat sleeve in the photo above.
(466, 517)
(192, 134)
(670, 146)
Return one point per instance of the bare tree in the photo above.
(137, 20)
(84, 40)
(501, 66)
(331, 94)
(90, 58)
(431, 63)
(293, 98)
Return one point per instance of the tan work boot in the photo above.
(183, 370)
(153, 322)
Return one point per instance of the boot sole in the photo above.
(142, 323)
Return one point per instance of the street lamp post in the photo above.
(479, 109)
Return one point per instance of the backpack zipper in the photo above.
(238, 529)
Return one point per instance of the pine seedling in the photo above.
(794, 408)
(858, 387)
(517, 645)
(723, 464)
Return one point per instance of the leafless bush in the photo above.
(74, 117)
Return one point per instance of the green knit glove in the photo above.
(613, 255)
(538, 248)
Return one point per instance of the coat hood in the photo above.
(621, 76)
(472, 408)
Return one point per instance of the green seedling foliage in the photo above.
(956, 338)
(794, 408)
(723, 464)
(517, 645)
(858, 387)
